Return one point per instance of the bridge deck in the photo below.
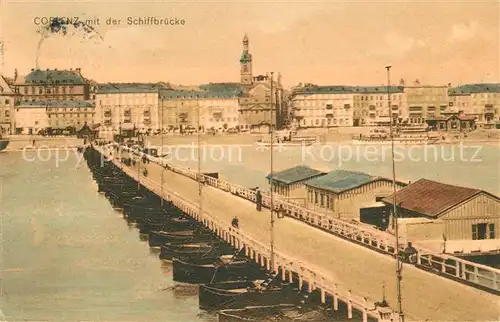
(426, 296)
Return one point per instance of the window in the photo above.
(322, 200)
(7, 102)
(315, 197)
(491, 231)
(478, 231)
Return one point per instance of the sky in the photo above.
(320, 42)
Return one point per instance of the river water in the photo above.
(68, 256)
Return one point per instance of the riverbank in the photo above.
(23, 142)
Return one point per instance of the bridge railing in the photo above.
(446, 265)
(239, 239)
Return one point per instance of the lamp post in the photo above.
(161, 148)
(394, 208)
(272, 174)
(200, 181)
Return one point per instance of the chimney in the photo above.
(78, 69)
(55, 69)
(32, 69)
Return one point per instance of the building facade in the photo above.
(425, 102)
(205, 108)
(53, 85)
(479, 100)
(127, 106)
(261, 102)
(322, 106)
(8, 98)
(64, 114)
(371, 104)
(341, 194)
(340, 106)
(469, 218)
(31, 117)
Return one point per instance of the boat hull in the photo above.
(212, 270)
(240, 295)
(195, 250)
(3, 144)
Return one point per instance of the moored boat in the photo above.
(157, 239)
(240, 294)
(195, 249)
(280, 312)
(210, 270)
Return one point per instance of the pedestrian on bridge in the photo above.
(258, 199)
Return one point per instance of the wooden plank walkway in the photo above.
(342, 263)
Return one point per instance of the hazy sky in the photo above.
(324, 42)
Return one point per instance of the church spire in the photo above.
(246, 63)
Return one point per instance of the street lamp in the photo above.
(394, 209)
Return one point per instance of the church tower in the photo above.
(246, 64)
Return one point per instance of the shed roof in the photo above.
(432, 198)
(295, 174)
(339, 181)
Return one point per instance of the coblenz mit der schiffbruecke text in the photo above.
(155, 21)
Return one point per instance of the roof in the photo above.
(221, 87)
(475, 88)
(5, 87)
(295, 174)
(339, 181)
(432, 198)
(70, 77)
(192, 94)
(119, 88)
(341, 89)
(45, 104)
(446, 118)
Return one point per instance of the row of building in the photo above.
(333, 106)
(58, 99)
(429, 212)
